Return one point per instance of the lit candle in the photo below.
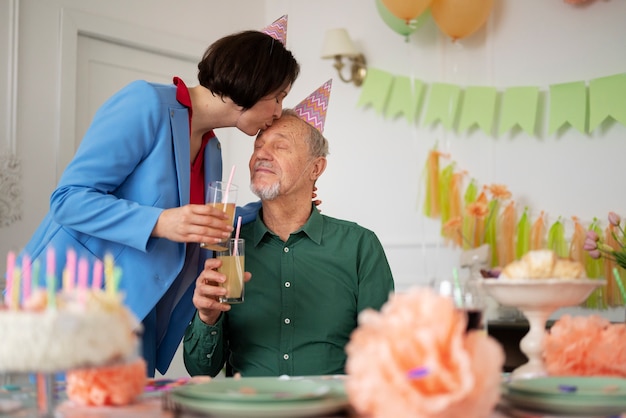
(17, 276)
(96, 282)
(9, 277)
(70, 266)
(26, 278)
(82, 279)
(108, 274)
(51, 278)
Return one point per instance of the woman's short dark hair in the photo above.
(246, 67)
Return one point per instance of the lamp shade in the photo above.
(338, 42)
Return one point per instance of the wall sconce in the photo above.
(337, 45)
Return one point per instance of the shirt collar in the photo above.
(313, 227)
(182, 93)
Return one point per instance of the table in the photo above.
(150, 405)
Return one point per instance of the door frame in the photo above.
(74, 23)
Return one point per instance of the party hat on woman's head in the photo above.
(278, 30)
(312, 110)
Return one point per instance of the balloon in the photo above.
(406, 9)
(460, 18)
(398, 25)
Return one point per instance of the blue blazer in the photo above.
(133, 162)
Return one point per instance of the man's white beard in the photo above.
(266, 193)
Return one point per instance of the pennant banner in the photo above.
(583, 106)
(375, 89)
(568, 104)
(442, 104)
(404, 98)
(607, 98)
(479, 107)
(519, 107)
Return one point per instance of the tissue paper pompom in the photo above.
(415, 359)
(109, 385)
(585, 346)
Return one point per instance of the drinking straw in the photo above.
(620, 284)
(108, 274)
(236, 249)
(230, 181)
(237, 230)
(36, 278)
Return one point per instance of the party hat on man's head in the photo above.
(278, 30)
(312, 110)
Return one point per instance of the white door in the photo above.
(102, 68)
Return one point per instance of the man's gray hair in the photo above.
(318, 145)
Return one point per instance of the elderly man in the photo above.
(312, 274)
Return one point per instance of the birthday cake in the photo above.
(48, 328)
(84, 328)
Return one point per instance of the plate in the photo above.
(295, 400)
(597, 387)
(256, 390)
(572, 404)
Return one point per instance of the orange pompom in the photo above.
(109, 385)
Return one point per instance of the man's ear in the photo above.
(319, 165)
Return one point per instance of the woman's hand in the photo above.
(317, 202)
(208, 290)
(193, 223)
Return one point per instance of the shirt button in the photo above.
(286, 356)
(213, 332)
(209, 355)
(286, 249)
(287, 284)
(287, 321)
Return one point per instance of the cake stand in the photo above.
(538, 299)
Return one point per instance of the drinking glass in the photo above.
(468, 296)
(233, 262)
(224, 198)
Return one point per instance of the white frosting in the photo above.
(76, 334)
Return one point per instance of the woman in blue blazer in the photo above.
(135, 187)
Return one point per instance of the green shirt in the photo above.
(300, 306)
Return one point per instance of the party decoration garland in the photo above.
(582, 105)
(487, 215)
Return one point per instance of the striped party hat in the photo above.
(312, 110)
(278, 30)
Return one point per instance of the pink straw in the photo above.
(26, 278)
(96, 283)
(230, 181)
(236, 249)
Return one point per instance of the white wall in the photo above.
(375, 164)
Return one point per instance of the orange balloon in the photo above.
(407, 9)
(460, 18)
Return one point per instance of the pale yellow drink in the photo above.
(233, 268)
(229, 209)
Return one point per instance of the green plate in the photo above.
(297, 397)
(596, 387)
(256, 390)
(590, 398)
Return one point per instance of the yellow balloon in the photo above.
(407, 9)
(460, 18)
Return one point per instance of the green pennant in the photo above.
(404, 98)
(442, 104)
(568, 104)
(478, 107)
(375, 90)
(519, 107)
(607, 98)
